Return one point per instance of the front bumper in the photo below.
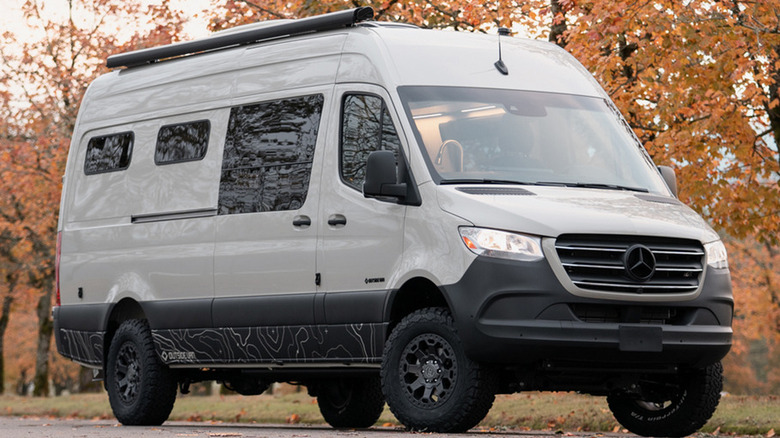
(509, 312)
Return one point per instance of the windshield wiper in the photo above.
(499, 181)
(543, 183)
(481, 181)
(601, 186)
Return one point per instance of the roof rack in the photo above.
(333, 20)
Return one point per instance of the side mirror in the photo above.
(670, 178)
(382, 177)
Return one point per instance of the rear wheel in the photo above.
(141, 389)
(351, 403)
(429, 383)
(676, 408)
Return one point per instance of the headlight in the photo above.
(716, 255)
(500, 244)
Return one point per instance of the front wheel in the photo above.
(141, 389)
(675, 408)
(353, 403)
(429, 383)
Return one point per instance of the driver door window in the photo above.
(366, 127)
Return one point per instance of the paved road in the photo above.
(13, 427)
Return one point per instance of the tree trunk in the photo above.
(771, 104)
(5, 315)
(558, 24)
(45, 329)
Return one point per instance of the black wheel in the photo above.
(675, 408)
(351, 403)
(141, 389)
(429, 383)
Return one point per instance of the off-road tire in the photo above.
(428, 382)
(685, 413)
(351, 403)
(141, 389)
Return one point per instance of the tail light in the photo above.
(57, 268)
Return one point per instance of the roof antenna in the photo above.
(500, 66)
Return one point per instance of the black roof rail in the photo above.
(318, 23)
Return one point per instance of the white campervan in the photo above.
(381, 213)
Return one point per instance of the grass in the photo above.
(736, 415)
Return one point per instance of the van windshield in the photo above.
(477, 135)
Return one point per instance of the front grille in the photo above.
(597, 262)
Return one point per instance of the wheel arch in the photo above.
(125, 309)
(415, 294)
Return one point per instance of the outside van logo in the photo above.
(177, 355)
(375, 280)
(639, 262)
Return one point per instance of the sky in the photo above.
(11, 18)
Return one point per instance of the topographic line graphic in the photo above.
(298, 344)
(86, 347)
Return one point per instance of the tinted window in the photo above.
(269, 150)
(108, 153)
(366, 127)
(182, 142)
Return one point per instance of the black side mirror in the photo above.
(670, 178)
(382, 176)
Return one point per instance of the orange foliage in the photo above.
(459, 14)
(755, 271)
(697, 81)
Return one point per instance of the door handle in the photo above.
(337, 220)
(301, 221)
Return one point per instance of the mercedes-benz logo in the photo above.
(639, 262)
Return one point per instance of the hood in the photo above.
(552, 211)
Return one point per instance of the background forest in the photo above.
(697, 80)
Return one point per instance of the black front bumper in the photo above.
(509, 312)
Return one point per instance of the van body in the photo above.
(378, 212)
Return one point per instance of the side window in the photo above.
(269, 148)
(108, 153)
(182, 142)
(366, 127)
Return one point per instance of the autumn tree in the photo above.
(9, 279)
(8, 267)
(21, 241)
(756, 353)
(697, 82)
(459, 14)
(47, 76)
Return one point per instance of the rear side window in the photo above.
(182, 142)
(269, 148)
(108, 153)
(366, 127)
